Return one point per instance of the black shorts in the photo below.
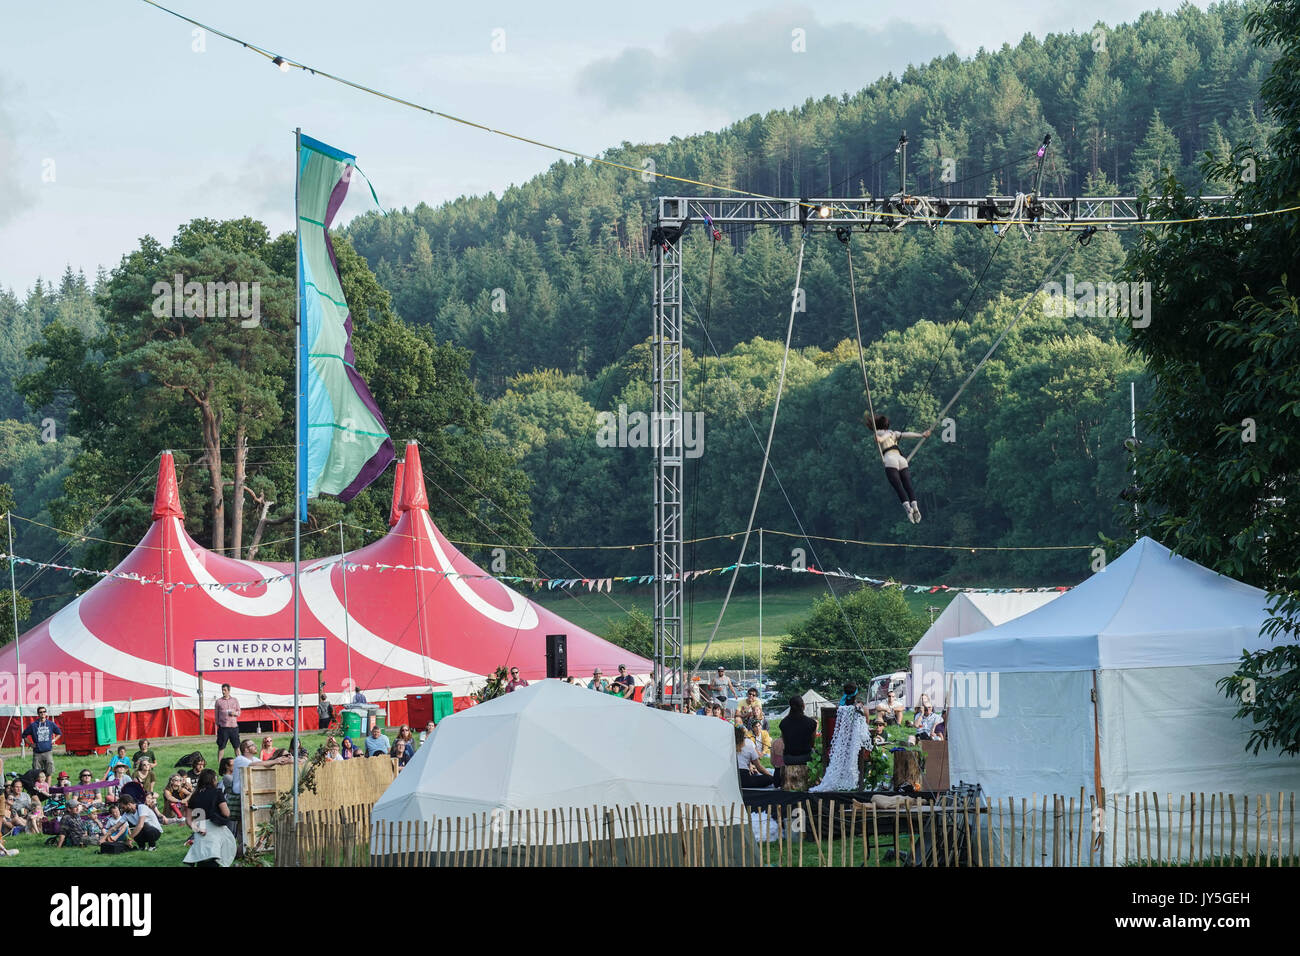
(227, 735)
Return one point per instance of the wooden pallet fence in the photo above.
(1064, 830)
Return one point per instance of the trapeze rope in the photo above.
(862, 358)
(767, 452)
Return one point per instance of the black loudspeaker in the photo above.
(557, 655)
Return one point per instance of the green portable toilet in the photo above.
(105, 726)
(442, 705)
(351, 722)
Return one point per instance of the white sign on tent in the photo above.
(258, 655)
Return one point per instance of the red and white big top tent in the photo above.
(388, 632)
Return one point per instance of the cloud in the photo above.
(751, 65)
(256, 186)
(17, 180)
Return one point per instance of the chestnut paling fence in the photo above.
(1140, 829)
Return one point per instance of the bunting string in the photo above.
(595, 585)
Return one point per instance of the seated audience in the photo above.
(751, 772)
(78, 827)
(120, 759)
(144, 826)
(268, 748)
(117, 832)
(376, 743)
(42, 783)
(226, 775)
(751, 708)
(346, 750)
(798, 732)
(926, 723)
(624, 683)
(196, 769)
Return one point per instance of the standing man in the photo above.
(324, 713)
(42, 730)
(226, 711)
(722, 685)
(515, 682)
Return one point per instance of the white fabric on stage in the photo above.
(851, 736)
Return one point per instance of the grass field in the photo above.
(31, 847)
(737, 642)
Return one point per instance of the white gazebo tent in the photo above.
(812, 707)
(556, 746)
(1114, 685)
(965, 614)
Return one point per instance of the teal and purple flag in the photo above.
(344, 443)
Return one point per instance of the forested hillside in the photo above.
(568, 247)
(496, 328)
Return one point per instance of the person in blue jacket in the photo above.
(42, 730)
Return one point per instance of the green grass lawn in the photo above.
(31, 847)
(737, 642)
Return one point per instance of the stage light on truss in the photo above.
(824, 212)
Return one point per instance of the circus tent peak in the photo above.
(166, 495)
(414, 495)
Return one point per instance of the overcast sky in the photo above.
(116, 121)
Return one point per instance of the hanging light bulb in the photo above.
(282, 63)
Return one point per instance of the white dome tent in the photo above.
(965, 614)
(554, 746)
(1114, 685)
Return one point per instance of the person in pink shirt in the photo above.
(226, 711)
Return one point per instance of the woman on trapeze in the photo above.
(895, 464)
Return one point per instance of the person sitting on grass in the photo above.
(751, 708)
(120, 759)
(87, 798)
(145, 827)
(346, 750)
(880, 737)
(78, 827)
(926, 722)
(42, 783)
(117, 832)
(177, 794)
(226, 775)
(143, 754)
(146, 759)
(200, 764)
(119, 779)
(268, 748)
(332, 751)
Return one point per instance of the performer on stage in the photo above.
(851, 737)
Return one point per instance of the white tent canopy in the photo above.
(1148, 638)
(554, 745)
(812, 707)
(965, 614)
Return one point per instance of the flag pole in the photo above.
(18, 661)
(299, 494)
